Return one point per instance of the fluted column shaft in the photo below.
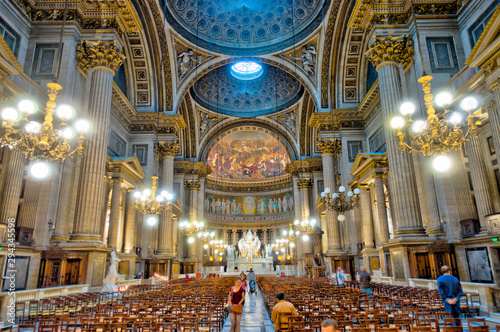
(114, 217)
(493, 109)
(383, 223)
(402, 180)
(12, 185)
(333, 225)
(128, 246)
(63, 225)
(27, 215)
(194, 187)
(165, 226)
(479, 179)
(366, 215)
(264, 236)
(432, 210)
(234, 241)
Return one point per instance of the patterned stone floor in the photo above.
(255, 317)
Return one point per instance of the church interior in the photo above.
(148, 142)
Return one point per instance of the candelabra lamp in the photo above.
(46, 141)
(338, 201)
(291, 235)
(147, 202)
(305, 226)
(206, 237)
(191, 228)
(441, 132)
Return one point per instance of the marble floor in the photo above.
(255, 317)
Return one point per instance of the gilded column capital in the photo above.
(193, 184)
(104, 54)
(304, 183)
(387, 50)
(333, 147)
(165, 150)
(490, 106)
(234, 230)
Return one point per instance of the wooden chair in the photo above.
(452, 322)
(421, 329)
(387, 329)
(481, 327)
(452, 329)
(282, 320)
(120, 327)
(361, 329)
(165, 327)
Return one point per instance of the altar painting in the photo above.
(249, 205)
(245, 155)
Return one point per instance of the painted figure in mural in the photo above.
(238, 211)
(280, 207)
(250, 204)
(205, 122)
(207, 204)
(234, 207)
(217, 205)
(270, 206)
(228, 206)
(290, 202)
(285, 204)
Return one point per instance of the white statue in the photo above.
(249, 245)
(307, 59)
(205, 122)
(230, 251)
(187, 61)
(290, 121)
(269, 251)
(110, 280)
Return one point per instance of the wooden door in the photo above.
(72, 272)
(423, 266)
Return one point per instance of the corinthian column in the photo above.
(383, 223)
(130, 224)
(366, 215)
(103, 58)
(166, 151)
(387, 54)
(12, 185)
(194, 187)
(329, 149)
(479, 179)
(114, 216)
(492, 109)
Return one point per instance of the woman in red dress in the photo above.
(236, 297)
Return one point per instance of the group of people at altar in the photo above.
(251, 205)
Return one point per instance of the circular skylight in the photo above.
(246, 70)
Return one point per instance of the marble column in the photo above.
(366, 215)
(166, 151)
(304, 184)
(234, 241)
(12, 185)
(296, 198)
(114, 217)
(479, 180)
(103, 59)
(225, 237)
(383, 223)
(29, 208)
(387, 54)
(63, 225)
(493, 108)
(194, 187)
(434, 226)
(130, 221)
(264, 236)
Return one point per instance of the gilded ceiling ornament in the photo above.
(165, 149)
(90, 54)
(398, 49)
(193, 184)
(333, 147)
(304, 183)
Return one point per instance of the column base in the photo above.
(437, 231)
(164, 254)
(85, 237)
(410, 231)
(333, 251)
(58, 238)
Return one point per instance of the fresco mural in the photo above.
(247, 155)
(248, 205)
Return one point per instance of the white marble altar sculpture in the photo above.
(230, 251)
(269, 251)
(249, 245)
(110, 279)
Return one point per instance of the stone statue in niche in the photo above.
(290, 121)
(205, 123)
(307, 59)
(109, 282)
(187, 61)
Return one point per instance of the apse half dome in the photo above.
(223, 91)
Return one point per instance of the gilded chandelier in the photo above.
(291, 235)
(206, 237)
(42, 141)
(146, 202)
(338, 201)
(439, 133)
(191, 228)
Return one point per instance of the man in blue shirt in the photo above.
(450, 290)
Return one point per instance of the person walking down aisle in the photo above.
(364, 280)
(236, 298)
(451, 291)
(252, 280)
(280, 308)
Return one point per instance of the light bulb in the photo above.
(200, 234)
(341, 189)
(313, 222)
(277, 252)
(65, 112)
(407, 108)
(297, 233)
(305, 237)
(357, 191)
(327, 190)
(40, 170)
(137, 194)
(159, 198)
(468, 103)
(169, 197)
(146, 192)
(26, 106)
(68, 133)
(456, 118)
(442, 163)
(284, 232)
(292, 245)
(418, 126)
(397, 122)
(323, 194)
(82, 126)
(143, 198)
(191, 240)
(340, 217)
(201, 223)
(444, 99)
(212, 234)
(33, 127)
(296, 222)
(306, 222)
(282, 249)
(350, 194)
(10, 114)
(335, 195)
(164, 193)
(151, 221)
(205, 246)
(216, 251)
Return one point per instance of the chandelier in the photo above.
(291, 235)
(338, 201)
(218, 244)
(206, 237)
(146, 202)
(305, 226)
(190, 229)
(441, 132)
(45, 141)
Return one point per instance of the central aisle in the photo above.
(255, 317)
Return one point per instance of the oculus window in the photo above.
(246, 70)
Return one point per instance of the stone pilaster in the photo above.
(479, 179)
(130, 222)
(387, 54)
(103, 58)
(166, 151)
(366, 215)
(114, 217)
(12, 185)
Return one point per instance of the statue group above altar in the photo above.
(249, 245)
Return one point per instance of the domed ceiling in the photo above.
(245, 27)
(221, 92)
